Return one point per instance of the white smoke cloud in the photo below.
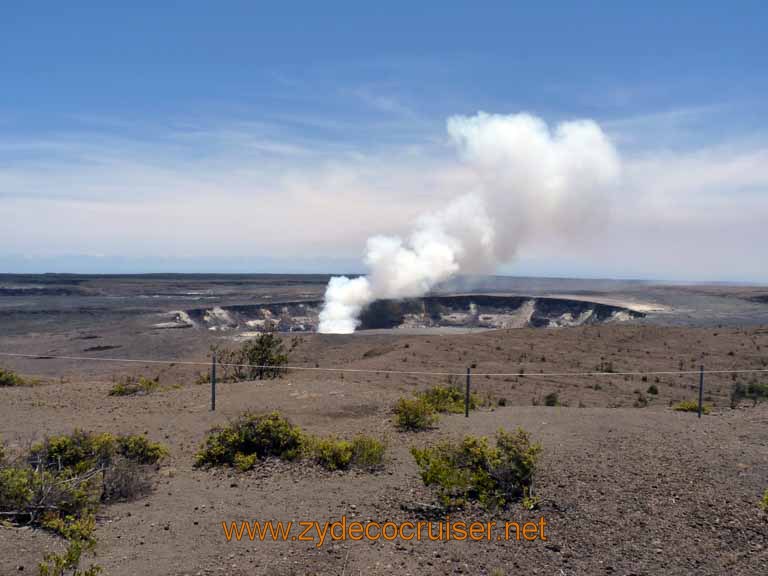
(528, 179)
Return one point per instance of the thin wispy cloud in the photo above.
(239, 191)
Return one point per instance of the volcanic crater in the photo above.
(479, 311)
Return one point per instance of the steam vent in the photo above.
(460, 311)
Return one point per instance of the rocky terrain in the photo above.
(627, 485)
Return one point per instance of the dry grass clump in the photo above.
(132, 386)
(9, 378)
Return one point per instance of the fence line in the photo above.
(207, 363)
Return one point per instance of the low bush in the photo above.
(245, 462)
(82, 451)
(257, 359)
(691, 406)
(337, 454)
(331, 453)
(368, 452)
(754, 391)
(69, 475)
(448, 399)
(251, 434)
(764, 501)
(60, 484)
(414, 415)
(131, 386)
(10, 378)
(141, 450)
(653, 389)
(253, 437)
(473, 470)
(68, 562)
(641, 401)
(79, 451)
(552, 399)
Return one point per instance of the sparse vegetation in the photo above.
(258, 359)
(413, 415)
(641, 401)
(10, 378)
(754, 391)
(60, 484)
(691, 406)
(68, 563)
(448, 399)
(653, 389)
(251, 434)
(764, 501)
(473, 470)
(132, 386)
(331, 452)
(254, 437)
(368, 452)
(552, 399)
(421, 412)
(605, 366)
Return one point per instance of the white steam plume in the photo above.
(528, 179)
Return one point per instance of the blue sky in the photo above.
(189, 136)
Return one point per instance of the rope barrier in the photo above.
(395, 372)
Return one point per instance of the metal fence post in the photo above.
(466, 396)
(701, 389)
(213, 382)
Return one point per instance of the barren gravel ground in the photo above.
(625, 490)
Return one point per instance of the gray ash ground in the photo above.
(625, 489)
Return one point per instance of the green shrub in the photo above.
(10, 378)
(414, 415)
(71, 474)
(68, 563)
(552, 399)
(131, 386)
(60, 484)
(472, 470)
(78, 451)
(764, 501)
(82, 451)
(2, 451)
(691, 406)
(335, 454)
(140, 450)
(260, 435)
(448, 399)
(16, 488)
(253, 437)
(754, 391)
(367, 452)
(79, 533)
(653, 389)
(244, 462)
(70, 527)
(331, 453)
(257, 359)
